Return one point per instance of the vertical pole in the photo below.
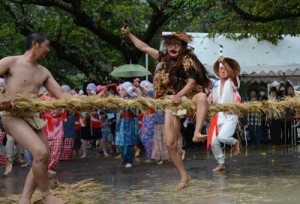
(221, 53)
(147, 66)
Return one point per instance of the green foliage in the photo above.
(263, 19)
(86, 39)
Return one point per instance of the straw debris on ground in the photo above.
(83, 192)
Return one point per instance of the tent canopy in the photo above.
(259, 61)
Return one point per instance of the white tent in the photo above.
(260, 61)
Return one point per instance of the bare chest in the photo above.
(27, 77)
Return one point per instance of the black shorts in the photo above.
(96, 133)
(86, 133)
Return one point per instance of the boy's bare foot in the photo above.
(51, 199)
(220, 167)
(198, 137)
(8, 168)
(236, 148)
(184, 180)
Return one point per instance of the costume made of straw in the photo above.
(222, 125)
(169, 81)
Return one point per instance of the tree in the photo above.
(263, 19)
(87, 33)
(86, 39)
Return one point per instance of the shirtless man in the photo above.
(181, 74)
(24, 75)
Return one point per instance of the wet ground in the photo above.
(266, 174)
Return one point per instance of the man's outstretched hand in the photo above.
(125, 31)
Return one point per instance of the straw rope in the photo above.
(91, 103)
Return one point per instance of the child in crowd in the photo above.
(53, 130)
(107, 136)
(127, 129)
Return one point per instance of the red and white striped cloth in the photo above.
(55, 146)
(3, 158)
(68, 148)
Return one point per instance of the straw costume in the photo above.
(171, 78)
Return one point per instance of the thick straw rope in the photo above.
(90, 103)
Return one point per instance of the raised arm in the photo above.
(140, 44)
(229, 70)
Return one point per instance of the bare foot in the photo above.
(198, 137)
(148, 161)
(25, 165)
(75, 155)
(220, 167)
(8, 168)
(137, 153)
(24, 201)
(51, 199)
(160, 162)
(183, 155)
(22, 161)
(83, 156)
(236, 148)
(51, 173)
(184, 180)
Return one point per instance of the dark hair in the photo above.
(202, 74)
(273, 89)
(39, 37)
(287, 87)
(253, 89)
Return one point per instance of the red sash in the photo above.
(149, 112)
(213, 125)
(127, 115)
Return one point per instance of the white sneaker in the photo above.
(128, 165)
